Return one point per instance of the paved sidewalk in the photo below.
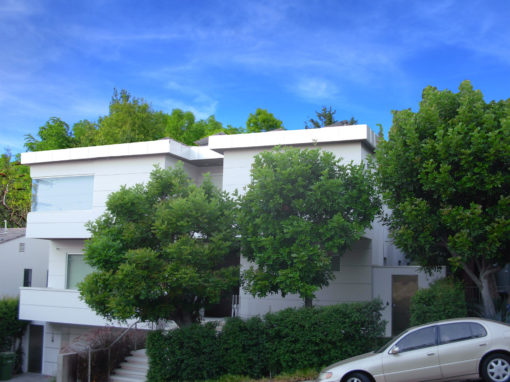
(30, 377)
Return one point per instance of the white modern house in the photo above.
(70, 188)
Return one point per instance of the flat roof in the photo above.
(217, 144)
(331, 134)
(162, 146)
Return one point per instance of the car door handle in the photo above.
(431, 354)
(483, 345)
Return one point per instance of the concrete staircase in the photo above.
(134, 369)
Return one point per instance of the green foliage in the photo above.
(162, 250)
(445, 175)
(54, 135)
(301, 208)
(262, 120)
(442, 300)
(315, 337)
(326, 117)
(15, 185)
(281, 342)
(11, 327)
(188, 354)
(244, 347)
(130, 120)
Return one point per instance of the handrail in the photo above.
(109, 348)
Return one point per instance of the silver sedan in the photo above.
(460, 349)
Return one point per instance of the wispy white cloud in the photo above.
(316, 89)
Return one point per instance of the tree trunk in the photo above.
(308, 302)
(483, 284)
(184, 319)
(488, 303)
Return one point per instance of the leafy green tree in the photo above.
(162, 250)
(130, 119)
(301, 208)
(445, 175)
(85, 133)
(182, 126)
(15, 186)
(262, 120)
(326, 117)
(54, 135)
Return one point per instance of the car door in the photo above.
(461, 346)
(413, 358)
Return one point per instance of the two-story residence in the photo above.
(70, 188)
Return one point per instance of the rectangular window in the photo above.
(77, 269)
(62, 194)
(27, 277)
(21, 247)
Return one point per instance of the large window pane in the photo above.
(61, 194)
(77, 269)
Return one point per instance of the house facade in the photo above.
(71, 186)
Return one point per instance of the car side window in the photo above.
(454, 332)
(418, 339)
(460, 331)
(477, 330)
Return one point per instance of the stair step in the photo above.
(130, 373)
(134, 369)
(118, 378)
(137, 367)
(137, 360)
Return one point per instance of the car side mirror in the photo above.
(394, 350)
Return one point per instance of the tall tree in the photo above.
(15, 185)
(130, 119)
(326, 117)
(54, 135)
(301, 208)
(262, 120)
(182, 126)
(445, 175)
(162, 250)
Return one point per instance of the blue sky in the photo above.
(364, 58)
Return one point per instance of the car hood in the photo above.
(352, 359)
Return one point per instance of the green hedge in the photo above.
(190, 353)
(444, 299)
(284, 341)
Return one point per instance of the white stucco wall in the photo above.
(13, 262)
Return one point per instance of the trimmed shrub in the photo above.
(188, 353)
(311, 338)
(444, 299)
(244, 347)
(285, 341)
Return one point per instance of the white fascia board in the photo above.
(162, 146)
(333, 134)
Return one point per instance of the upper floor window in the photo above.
(61, 194)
